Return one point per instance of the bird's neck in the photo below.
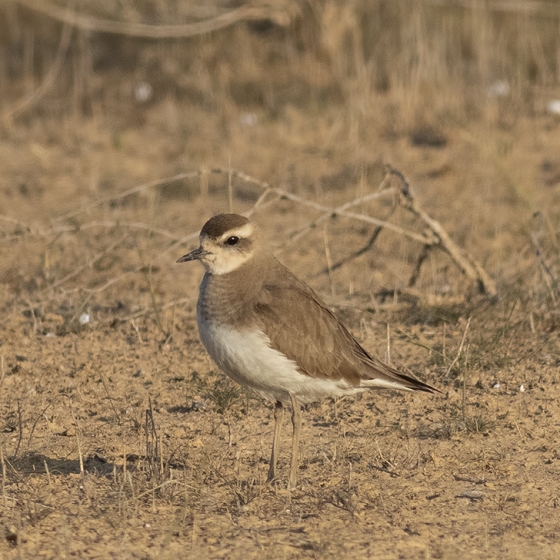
(227, 298)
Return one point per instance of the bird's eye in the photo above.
(232, 240)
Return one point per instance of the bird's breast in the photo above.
(245, 354)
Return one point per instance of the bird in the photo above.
(269, 331)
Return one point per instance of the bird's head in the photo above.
(227, 241)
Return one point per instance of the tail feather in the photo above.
(416, 385)
(385, 376)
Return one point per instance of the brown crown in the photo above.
(219, 224)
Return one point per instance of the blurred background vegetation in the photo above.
(434, 59)
(310, 95)
(113, 114)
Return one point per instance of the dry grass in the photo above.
(118, 436)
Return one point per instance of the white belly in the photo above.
(246, 356)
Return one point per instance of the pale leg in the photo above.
(278, 417)
(296, 423)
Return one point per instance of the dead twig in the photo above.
(147, 311)
(465, 262)
(133, 190)
(435, 237)
(3, 463)
(100, 25)
(20, 429)
(101, 224)
(259, 204)
(341, 210)
(328, 212)
(438, 238)
(111, 402)
(78, 441)
(420, 261)
(551, 282)
(460, 347)
(88, 264)
(355, 254)
(15, 221)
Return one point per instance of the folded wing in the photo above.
(316, 340)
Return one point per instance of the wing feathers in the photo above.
(299, 324)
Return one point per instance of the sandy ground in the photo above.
(119, 437)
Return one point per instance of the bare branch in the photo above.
(147, 31)
(465, 262)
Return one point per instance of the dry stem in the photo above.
(147, 31)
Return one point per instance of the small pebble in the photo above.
(143, 92)
(554, 106)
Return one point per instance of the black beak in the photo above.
(195, 255)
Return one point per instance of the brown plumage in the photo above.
(313, 337)
(270, 331)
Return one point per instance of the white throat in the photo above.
(218, 264)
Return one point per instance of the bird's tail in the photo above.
(383, 376)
